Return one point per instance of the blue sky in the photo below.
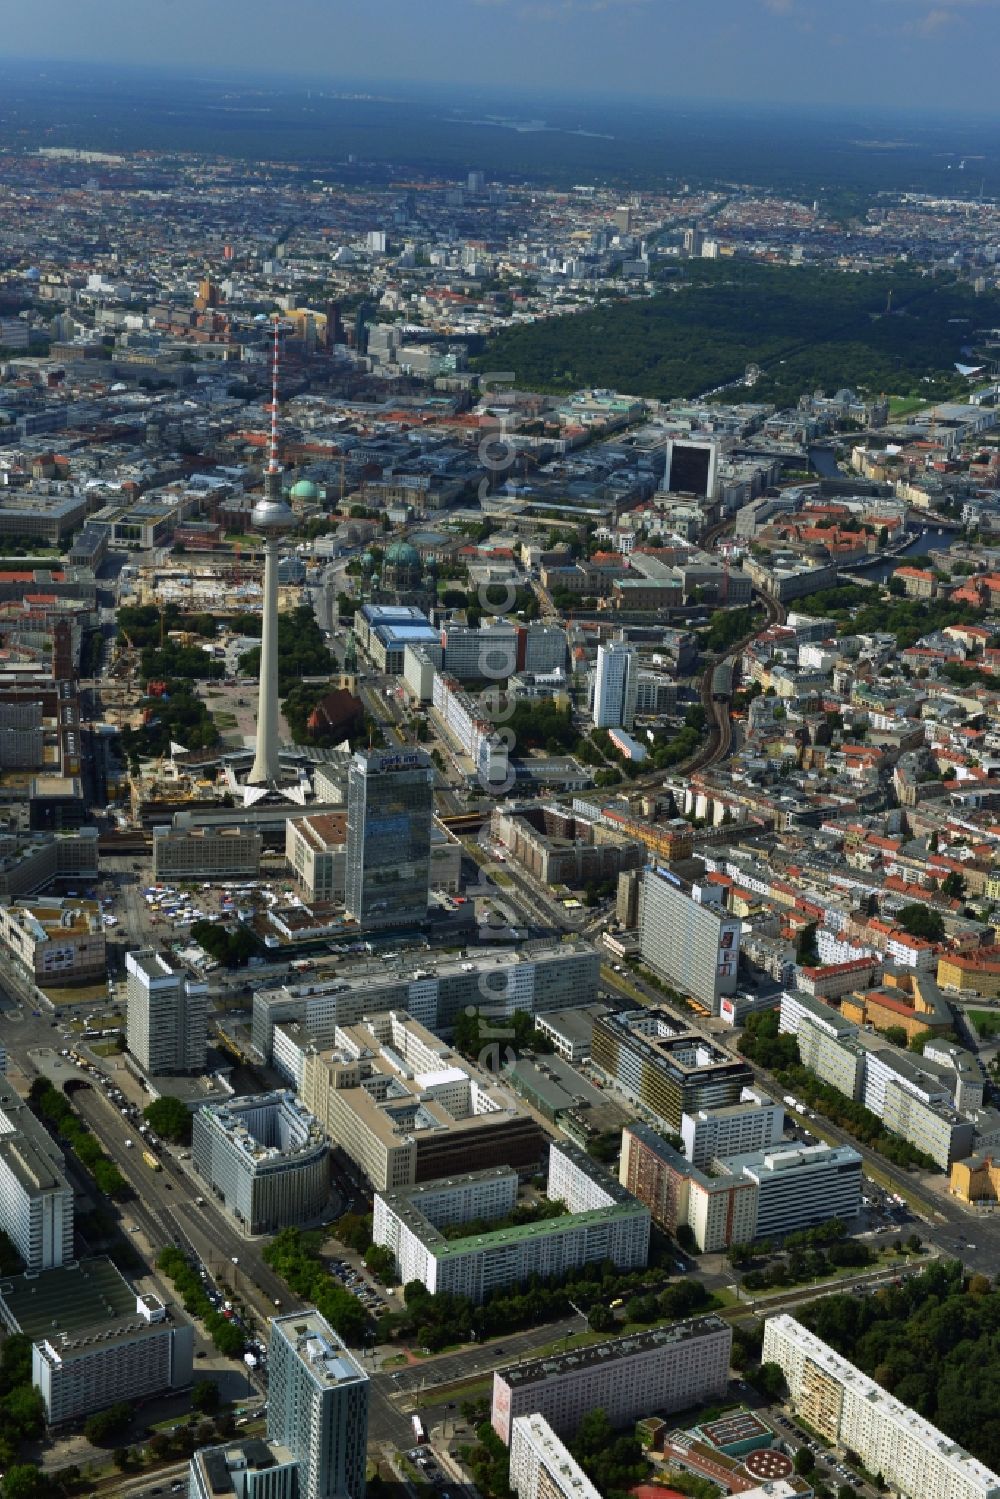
(936, 54)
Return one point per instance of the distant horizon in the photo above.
(917, 55)
(411, 89)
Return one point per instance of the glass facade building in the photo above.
(390, 798)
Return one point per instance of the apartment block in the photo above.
(541, 1467)
(845, 1406)
(760, 1194)
(602, 1221)
(94, 1339)
(657, 1064)
(245, 1468)
(690, 943)
(719, 1210)
(665, 1369)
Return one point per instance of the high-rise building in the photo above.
(692, 944)
(616, 685)
(541, 1467)
(665, 1369)
(476, 182)
(850, 1410)
(166, 1015)
(390, 805)
(36, 1200)
(318, 1405)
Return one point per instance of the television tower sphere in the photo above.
(273, 516)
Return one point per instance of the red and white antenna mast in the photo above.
(272, 476)
(272, 466)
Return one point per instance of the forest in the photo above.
(933, 1342)
(806, 327)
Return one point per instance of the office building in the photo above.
(752, 1124)
(94, 1339)
(30, 861)
(665, 1369)
(389, 811)
(36, 1200)
(688, 942)
(798, 1186)
(541, 1467)
(206, 853)
(244, 1468)
(166, 1016)
(265, 1157)
(406, 1108)
(847, 1408)
(692, 467)
(616, 683)
(538, 978)
(54, 942)
(318, 1405)
(663, 1068)
(603, 1221)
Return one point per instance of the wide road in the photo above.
(165, 1210)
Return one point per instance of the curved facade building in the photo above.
(265, 1157)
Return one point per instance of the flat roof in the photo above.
(328, 1360)
(536, 1371)
(67, 1300)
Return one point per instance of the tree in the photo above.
(205, 1397)
(170, 1118)
(601, 1318)
(770, 1381)
(896, 1034)
(953, 885)
(806, 951)
(805, 1462)
(107, 1423)
(24, 1481)
(121, 1458)
(920, 921)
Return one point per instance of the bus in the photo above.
(419, 1430)
(151, 1161)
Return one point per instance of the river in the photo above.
(926, 541)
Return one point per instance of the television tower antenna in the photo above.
(272, 466)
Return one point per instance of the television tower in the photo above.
(274, 519)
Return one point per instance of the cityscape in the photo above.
(499, 763)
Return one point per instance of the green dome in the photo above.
(402, 554)
(305, 489)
